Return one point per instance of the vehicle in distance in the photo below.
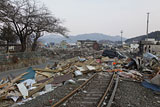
(112, 54)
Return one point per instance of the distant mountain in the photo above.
(73, 39)
(155, 35)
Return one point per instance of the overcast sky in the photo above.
(107, 16)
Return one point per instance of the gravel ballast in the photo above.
(133, 94)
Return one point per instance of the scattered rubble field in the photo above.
(44, 87)
(48, 99)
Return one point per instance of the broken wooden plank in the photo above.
(46, 74)
(2, 97)
(14, 81)
(40, 77)
(39, 87)
(45, 70)
(3, 85)
(59, 69)
(18, 77)
(60, 79)
(56, 80)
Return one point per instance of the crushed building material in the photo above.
(37, 81)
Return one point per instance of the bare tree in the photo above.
(20, 15)
(28, 19)
(46, 23)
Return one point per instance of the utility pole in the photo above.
(121, 37)
(147, 24)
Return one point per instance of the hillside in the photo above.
(155, 35)
(73, 39)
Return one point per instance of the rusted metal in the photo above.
(113, 93)
(108, 88)
(73, 92)
(92, 94)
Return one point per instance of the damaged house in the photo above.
(88, 44)
(149, 45)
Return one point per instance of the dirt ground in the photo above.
(133, 94)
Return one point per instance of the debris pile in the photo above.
(144, 69)
(35, 81)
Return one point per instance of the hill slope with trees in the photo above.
(155, 35)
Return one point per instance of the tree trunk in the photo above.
(34, 45)
(23, 45)
(7, 47)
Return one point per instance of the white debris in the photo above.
(85, 91)
(48, 88)
(22, 88)
(81, 59)
(15, 98)
(90, 67)
(80, 68)
(78, 73)
(135, 72)
(82, 79)
(70, 81)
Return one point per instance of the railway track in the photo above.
(98, 91)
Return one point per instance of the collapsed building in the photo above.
(149, 45)
(88, 44)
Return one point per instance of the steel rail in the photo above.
(72, 93)
(107, 90)
(113, 93)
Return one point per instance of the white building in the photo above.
(134, 47)
(151, 40)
